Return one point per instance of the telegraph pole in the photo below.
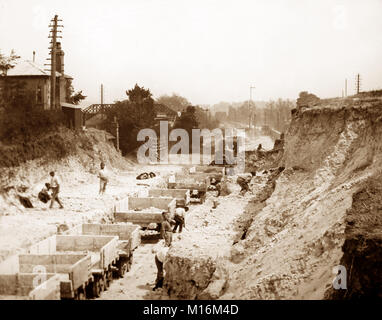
(102, 95)
(102, 107)
(358, 83)
(346, 88)
(53, 67)
(116, 132)
(249, 108)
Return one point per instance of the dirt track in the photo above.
(137, 284)
(209, 229)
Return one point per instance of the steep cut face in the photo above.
(333, 134)
(362, 248)
(296, 240)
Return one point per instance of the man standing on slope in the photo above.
(103, 180)
(55, 186)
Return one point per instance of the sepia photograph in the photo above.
(169, 151)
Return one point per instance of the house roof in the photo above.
(29, 68)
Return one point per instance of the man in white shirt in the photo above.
(160, 256)
(103, 180)
(55, 186)
(179, 217)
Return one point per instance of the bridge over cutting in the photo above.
(95, 109)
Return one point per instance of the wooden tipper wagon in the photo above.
(29, 270)
(182, 196)
(143, 211)
(93, 272)
(212, 172)
(196, 183)
(30, 286)
(129, 239)
(77, 265)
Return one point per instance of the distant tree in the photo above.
(7, 62)
(221, 116)
(175, 102)
(277, 114)
(12, 93)
(141, 106)
(187, 120)
(73, 97)
(133, 114)
(77, 97)
(221, 106)
(205, 119)
(232, 114)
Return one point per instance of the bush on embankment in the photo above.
(32, 133)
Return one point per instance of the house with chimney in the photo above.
(37, 80)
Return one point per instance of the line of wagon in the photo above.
(77, 265)
(81, 263)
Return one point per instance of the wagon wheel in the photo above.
(89, 291)
(130, 262)
(96, 289)
(109, 277)
(106, 280)
(102, 283)
(81, 295)
(115, 274)
(122, 270)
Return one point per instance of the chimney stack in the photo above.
(59, 59)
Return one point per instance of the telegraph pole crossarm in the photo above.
(53, 51)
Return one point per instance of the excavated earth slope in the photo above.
(295, 235)
(297, 239)
(363, 245)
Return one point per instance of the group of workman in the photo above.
(169, 226)
(51, 190)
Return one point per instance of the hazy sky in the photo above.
(205, 50)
